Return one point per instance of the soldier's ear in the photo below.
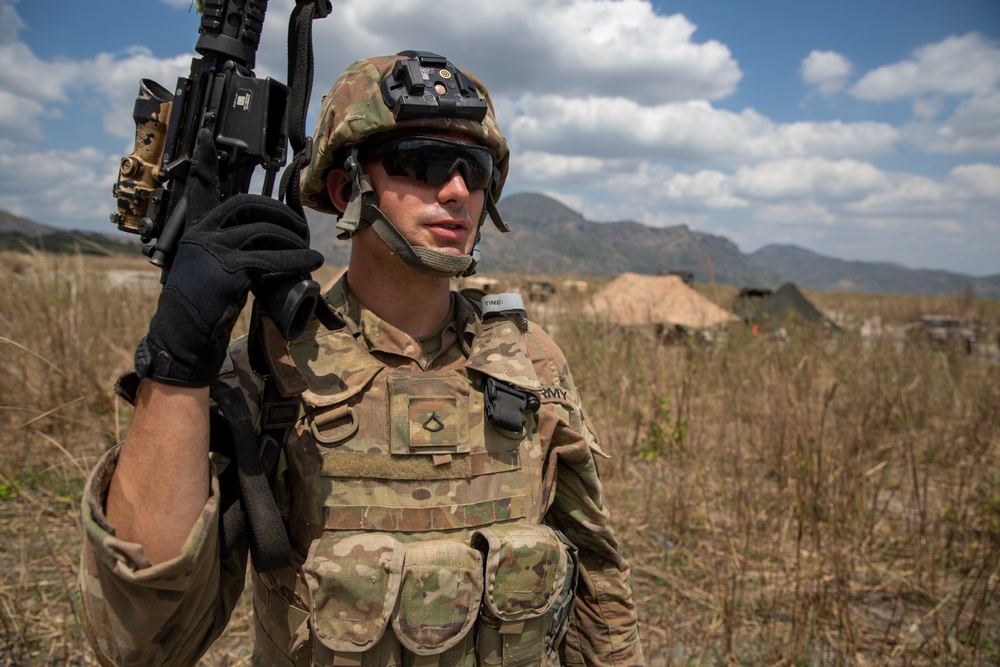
(338, 188)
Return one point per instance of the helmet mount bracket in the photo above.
(426, 85)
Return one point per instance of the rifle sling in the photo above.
(300, 76)
(269, 545)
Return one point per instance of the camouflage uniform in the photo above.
(420, 534)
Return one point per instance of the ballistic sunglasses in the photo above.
(432, 160)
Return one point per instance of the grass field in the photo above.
(799, 501)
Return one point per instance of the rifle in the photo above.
(249, 120)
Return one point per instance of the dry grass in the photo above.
(813, 501)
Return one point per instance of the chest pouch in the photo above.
(353, 585)
(526, 572)
(440, 596)
(428, 592)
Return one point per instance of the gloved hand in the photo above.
(226, 248)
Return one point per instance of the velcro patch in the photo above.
(429, 414)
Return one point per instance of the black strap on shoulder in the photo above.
(300, 76)
(269, 545)
(277, 417)
(232, 522)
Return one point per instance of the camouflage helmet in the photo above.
(355, 109)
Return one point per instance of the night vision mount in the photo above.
(426, 85)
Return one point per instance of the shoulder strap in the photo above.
(509, 388)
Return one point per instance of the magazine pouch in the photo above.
(353, 585)
(429, 592)
(526, 569)
(439, 601)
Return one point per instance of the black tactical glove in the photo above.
(226, 248)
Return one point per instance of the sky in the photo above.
(860, 130)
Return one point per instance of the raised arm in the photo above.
(161, 482)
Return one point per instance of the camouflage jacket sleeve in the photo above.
(604, 627)
(136, 613)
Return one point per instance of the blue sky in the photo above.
(861, 130)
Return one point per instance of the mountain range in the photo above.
(549, 238)
(19, 234)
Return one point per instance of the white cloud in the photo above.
(19, 116)
(980, 180)
(927, 227)
(546, 168)
(69, 188)
(25, 75)
(10, 23)
(115, 78)
(927, 108)
(624, 179)
(974, 127)
(833, 139)
(610, 107)
(813, 178)
(607, 47)
(827, 71)
(711, 189)
(911, 195)
(964, 65)
(33, 88)
(685, 131)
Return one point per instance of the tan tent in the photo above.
(632, 299)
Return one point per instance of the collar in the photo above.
(380, 337)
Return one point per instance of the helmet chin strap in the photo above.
(362, 210)
(426, 261)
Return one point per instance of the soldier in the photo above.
(428, 454)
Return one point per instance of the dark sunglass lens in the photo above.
(477, 176)
(434, 161)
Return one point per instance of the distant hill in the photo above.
(15, 224)
(548, 237)
(818, 272)
(21, 234)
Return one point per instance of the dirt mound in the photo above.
(634, 299)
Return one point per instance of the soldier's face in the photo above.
(440, 217)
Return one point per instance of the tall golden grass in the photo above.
(808, 501)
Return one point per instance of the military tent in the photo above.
(784, 305)
(663, 301)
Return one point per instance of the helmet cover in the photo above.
(355, 109)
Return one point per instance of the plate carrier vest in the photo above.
(413, 503)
